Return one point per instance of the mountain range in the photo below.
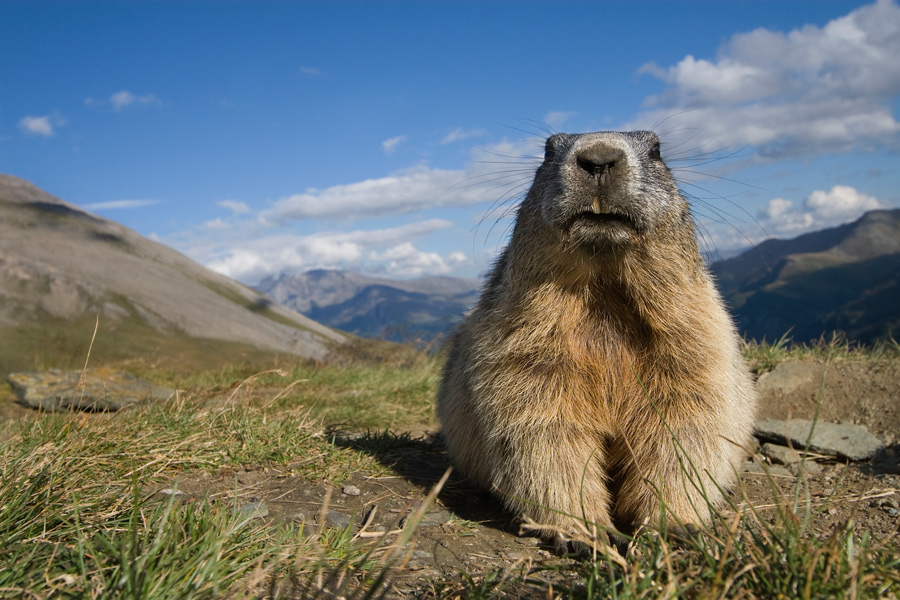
(845, 278)
(61, 268)
(839, 279)
(419, 311)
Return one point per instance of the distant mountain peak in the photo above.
(845, 278)
(417, 310)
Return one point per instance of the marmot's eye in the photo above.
(654, 152)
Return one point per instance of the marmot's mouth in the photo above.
(609, 217)
(605, 216)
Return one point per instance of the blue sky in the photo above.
(392, 138)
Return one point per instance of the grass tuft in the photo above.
(763, 356)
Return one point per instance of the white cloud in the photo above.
(785, 219)
(390, 145)
(405, 260)
(120, 204)
(123, 99)
(216, 224)
(44, 126)
(461, 134)
(390, 251)
(820, 210)
(484, 180)
(811, 90)
(310, 71)
(841, 204)
(405, 192)
(235, 206)
(243, 245)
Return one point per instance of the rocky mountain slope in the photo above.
(420, 310)
(59, 264)
(846, 278)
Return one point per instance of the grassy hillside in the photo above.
(60, 265)
(50, 342)
(860, 299)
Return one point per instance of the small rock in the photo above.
(852, 442)
(254, 510)
(786, 377)
(528, 540)
(781, 455)
(350, 490)
(807, 467)
(94, 389)
(432, 519)
(337, 519)
(753, 468)
(885, 503)
(419, 554)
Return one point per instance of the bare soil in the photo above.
(466, 530)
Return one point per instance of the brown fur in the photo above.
(596, 340)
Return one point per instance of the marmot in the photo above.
(599, 375)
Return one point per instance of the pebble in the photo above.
(781, 455)
(807, 467)
(254, 510)
(436, 518)
(337, 519)
(786, 378)
(754, 468)
(885, 503)
(350, 490)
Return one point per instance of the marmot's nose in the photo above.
(599, 159)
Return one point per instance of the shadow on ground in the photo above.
(423, 461)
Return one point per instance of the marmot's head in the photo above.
(606, 190)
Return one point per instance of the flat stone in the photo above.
(754, 468)
(785, 377)
(94, 389)
(852, 442)
(808, 467)
(254, 510)
(336, 519)
(436, 518)
(781, 455)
